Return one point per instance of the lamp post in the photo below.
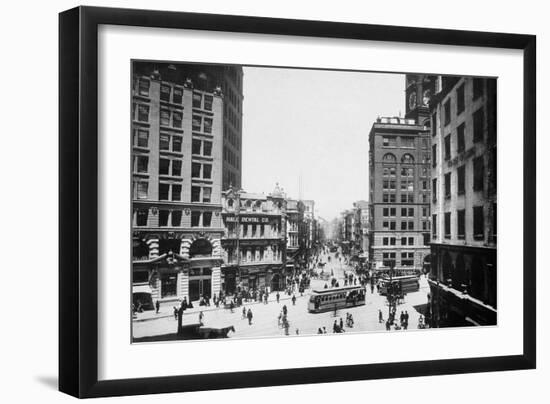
(390, 289)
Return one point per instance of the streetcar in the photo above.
(407, 283)
(336, 298)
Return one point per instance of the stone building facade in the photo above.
(463, 277)
(176, 183)
(399, 186)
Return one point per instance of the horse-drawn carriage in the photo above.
(214, 332)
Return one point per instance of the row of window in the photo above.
(392, 241)
(202, 124)
(172, 167)
(170, 217)
(478, 223)
(408, 172)
(403, 141)
(171, 192)
(254, 230)
(405, 159)
(231, 157)
(405, 197)
(405, 212)
(202, 101)
(405, 225)
(231, 135)
(407, 258)
(478, 173)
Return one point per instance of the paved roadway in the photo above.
(265, 322)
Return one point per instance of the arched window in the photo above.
(230, 203)
(407, 159)
(200, 248)
(389, 158)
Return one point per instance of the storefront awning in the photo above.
(141, 289)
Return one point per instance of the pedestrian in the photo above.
(265, 298)
(402, 318)
(341, 323)
(380, 316)
(371, 288)
(244, 313)
(175, 313)
(285, 310)
(324, 330)
(335, 327)
(157, 306)
(277, 296)
(201, 316)
(249, 315)
(319, 331)
(388, 325)
(294, 300)
(297, 331)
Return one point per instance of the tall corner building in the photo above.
(463, 276)
(179, 118)
(399, 186)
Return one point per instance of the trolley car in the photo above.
(336, 298)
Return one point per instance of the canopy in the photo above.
(141, 289)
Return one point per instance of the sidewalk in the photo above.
(168, 310)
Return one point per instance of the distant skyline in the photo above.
(314, 125)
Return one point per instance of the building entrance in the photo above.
(200, 283)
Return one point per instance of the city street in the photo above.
(265, 316)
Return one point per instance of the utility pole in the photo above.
(390, 289)
(238, 226)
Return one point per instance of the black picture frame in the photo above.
(78, 196)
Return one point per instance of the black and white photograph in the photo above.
(279, 202)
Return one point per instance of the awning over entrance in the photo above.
(141, 289)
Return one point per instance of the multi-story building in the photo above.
(254, 242)
(361, 226)
(177, 179)
(399, 186)
(463, 276)
(295, 235)
(207, 78)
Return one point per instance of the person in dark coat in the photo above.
(249, 316)
(277, 296)
(341, 323)
(294, 300)
(157, 306)
(285, 310)
(175, 313)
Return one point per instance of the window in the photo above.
(407, 172)
(197, 122)
(195, 170)
(208, 125)
(407, 159)
(424, 212)
(461, 223)
(195, 219)
(385, 241)
(447, 147)
(176, 192)
(142, 164)
(434, 155)
(176, 218)
(392, 225)
(163, 218)
(195, 194)
(411, 212)
(478, 88)
(144, 86)
(460, 99)
(164, 142)
(177, 119)
(403, 211)
(385, 225)
(206, 219)
(164, 190)
(407, 259)
(478, 223)
(178, 95)
(141, 217)
(385, 212)
(196, 146)
(207, 171)
(176, 143)
(392, 240)
(461, 179)
(206, 148)
(389, 141)
(165, 117)
(142, 189)
(164, 166)
(447, 224)
(434, 123)
(460, 142)
(141, 138)
(176, 168)
(165, 91)
(434, 226)
(411, 225)
(143, 113)
(388, 157)
(403, 225)
(479, 117)
(447, 108)
(447, 185)
(197, 100)
(434, 189)
(208, 102)
(206, 194)
(407, 141)
(479, 173)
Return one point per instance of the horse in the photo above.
(208, 332)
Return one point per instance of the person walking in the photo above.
(285, 310)
(277, 296)
(175, 313)
(244, 313)
(294, 300)
(157, 306)
(341, 323)
(380, 316)
(201, 317)
(249, 315)
(335, 327)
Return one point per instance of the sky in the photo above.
(313, 125)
